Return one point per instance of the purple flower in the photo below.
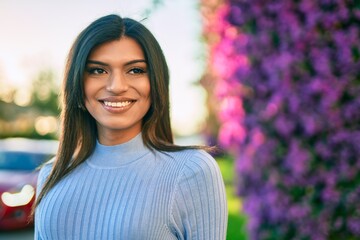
(354, 225)
(297, 159)
(284, 125)
(231, 108)
(287, 81)
(230, 133)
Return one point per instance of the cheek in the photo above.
(90, 88)
(145, 90)
(87, 88)
(147, 95)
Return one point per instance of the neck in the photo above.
(105, 156)
(113, 137)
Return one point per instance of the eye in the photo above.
(137, 71)
(96, 71)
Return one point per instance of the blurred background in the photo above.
(275, 84)
(37, 35)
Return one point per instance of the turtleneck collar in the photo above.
(118, 155)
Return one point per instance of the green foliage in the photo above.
(45, 97)
(22, 110)
(236, 220)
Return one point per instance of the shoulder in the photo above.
(190, 154)
(197, 164)
(201, 160)
(45, 169)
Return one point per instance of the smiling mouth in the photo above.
(120, 104)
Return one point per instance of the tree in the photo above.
(31, 118)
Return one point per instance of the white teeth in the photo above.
(117, 104)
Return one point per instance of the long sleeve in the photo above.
(199, 209)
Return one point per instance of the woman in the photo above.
(117, 174)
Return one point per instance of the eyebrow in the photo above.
(105, 64)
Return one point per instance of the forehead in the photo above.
(122, 49)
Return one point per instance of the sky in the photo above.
(37, 35)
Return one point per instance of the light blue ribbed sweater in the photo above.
(129, 192)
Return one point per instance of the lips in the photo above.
(116, 105)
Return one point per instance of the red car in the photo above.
(19, 159)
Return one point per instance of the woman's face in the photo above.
(117, 89)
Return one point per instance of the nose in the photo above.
(117, 83)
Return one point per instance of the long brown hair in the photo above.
(78, 135)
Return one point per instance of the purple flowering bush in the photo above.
(288, 81)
